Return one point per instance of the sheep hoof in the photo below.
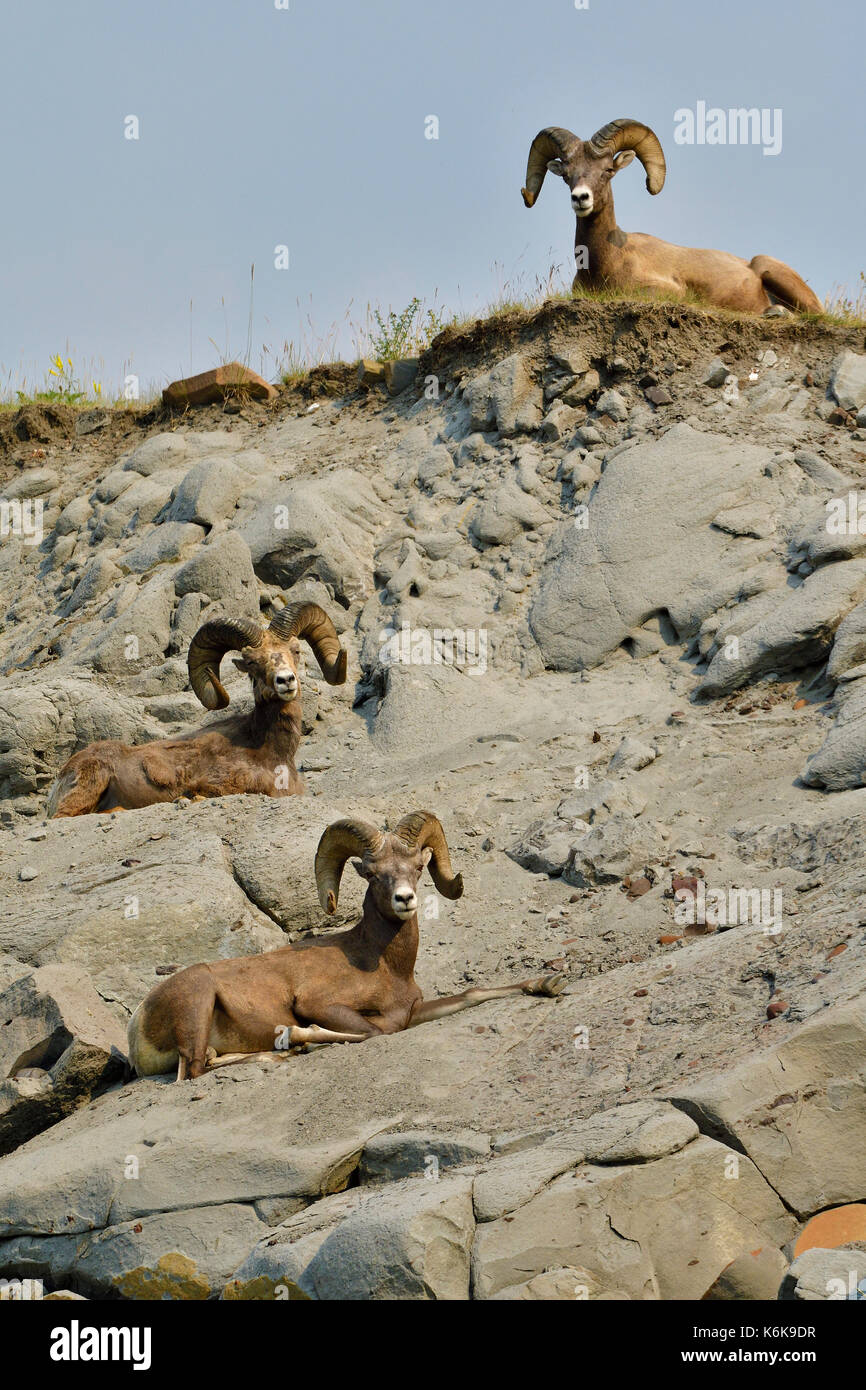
(547, 985)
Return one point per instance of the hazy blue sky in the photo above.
(306, 127)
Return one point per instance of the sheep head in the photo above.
(391, 862)
(269, 656)
(587, 166)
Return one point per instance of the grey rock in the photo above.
(502, 518)
(611, 403)
(798, 1110)
(164, 544)
(321, 529)
(223, 570)
(798, 632)
(631, 756)
(33, 482)
(716, 373)
(157, 452)
(848, 380)
(506, 398)
(418, 1153)
(54, 1020)
(661, 1229)
(411, 1240)
(209, 492)
(834, 1275)
(437, 464)
(73, 516)
(841, 761)
(596, 589)
(94, 579)
(582, 389)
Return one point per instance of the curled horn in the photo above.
(206, 651)
(626, 134)
(339, 842)
(311, 622)
(551, 143)
(420, 829)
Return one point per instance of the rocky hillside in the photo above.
(648, 754)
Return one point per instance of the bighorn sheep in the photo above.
(344, 988)
(608, 257)
(244, 753)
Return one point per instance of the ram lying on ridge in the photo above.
(348, 987)
(244, 753)
(608, 257)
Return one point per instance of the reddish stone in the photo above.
(830, 1229)
(638, 886)
(668, 940)
(641, 993)
(208, 387)
(680, 883)
(777, 1007)
(798, 704)
(657, 395)
(837, 950)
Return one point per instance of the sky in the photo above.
(307, 127)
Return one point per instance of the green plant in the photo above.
(850, 308)
(61, 385)
(406, 334)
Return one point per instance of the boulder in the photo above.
(503, 517)
(754, 1276)
(797, 632)
(659, 1229)
(848, 380)
(209, 492)
(840, 763)
(418, 1153)
(826, 1274)
(409, 1241)
(599, 585)
(231, 379)
(163, 544)
(321, 529)
(506, 398)
(222, 570)
(53, 1022)
(798, 1110)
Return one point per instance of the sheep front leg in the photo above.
(298, 1037)
(428, 1010)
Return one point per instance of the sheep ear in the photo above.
(359, 869)
(427, 854)
(555, 166)
(240, 663)
(621, 160)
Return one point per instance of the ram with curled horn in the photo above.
(606, 257)
(348, 987)
(252, 752)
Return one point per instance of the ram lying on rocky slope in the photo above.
(249, 753)
(668, 711)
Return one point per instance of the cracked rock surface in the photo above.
(597, 622)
